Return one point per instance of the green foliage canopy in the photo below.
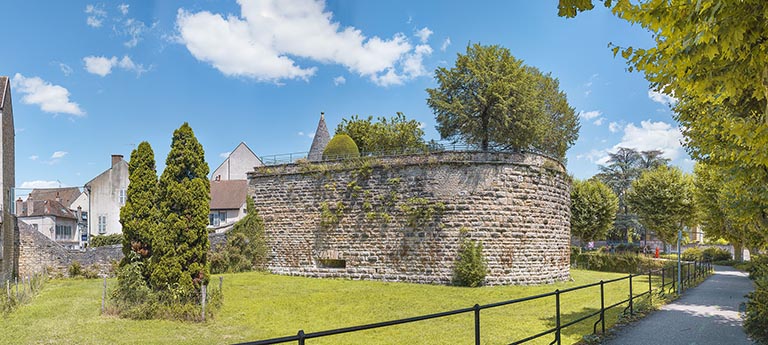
(491, 99)
(713, 57)
(663, 201)
(341, 146)
(394, 135)
(593, 209)
(139, 215)
(179, 261)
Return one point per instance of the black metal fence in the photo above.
(690, 272)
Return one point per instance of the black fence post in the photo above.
(301, 337)
(663, 274)
(602, 305)
(477, 324)
(631, 307)
(650, 289)
(557, 316)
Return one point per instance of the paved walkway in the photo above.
(706, 314)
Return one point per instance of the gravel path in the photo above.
(706, 314)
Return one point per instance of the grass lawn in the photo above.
(258, 306)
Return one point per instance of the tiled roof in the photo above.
(320, 141)
(49, 208)
(66, 195)
(228, 194)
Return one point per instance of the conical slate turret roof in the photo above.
(320, 141)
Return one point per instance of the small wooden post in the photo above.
(104, 296)
(221, 282)
(8, 288)
(202, 302)
(16, 280)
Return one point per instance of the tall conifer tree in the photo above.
(139, 214)
(180, 249)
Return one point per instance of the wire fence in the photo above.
(430, 147)
(689, 272)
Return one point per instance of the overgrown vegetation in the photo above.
(20, 291)
(622, 263)
(396, 135)
(756, 321)
(420, 212)
(711, 254)
(246, 248)
(76, 270)
(106, 240)
(470, 268)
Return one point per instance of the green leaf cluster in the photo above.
(593, 209)
(341, 146)
(395, 135)
(180, 249)
(493, 100)
(139, 216)
(663, 201)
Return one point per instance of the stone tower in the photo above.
(9, 233)
(320, 141)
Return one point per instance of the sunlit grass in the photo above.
(258, 306)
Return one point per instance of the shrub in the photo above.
(575, 252)
(757, 301)
(246, 247)
(341, 147)
(106, 240)
(716, 254)
(692, 254)
(470, 268)
(75, 269)
(622, 263)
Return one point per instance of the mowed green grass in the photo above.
(259, 306)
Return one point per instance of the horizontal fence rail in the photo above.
(690, 272)
(432, 147)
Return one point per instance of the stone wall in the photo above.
(38, 253)
(403, 218)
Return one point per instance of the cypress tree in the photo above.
(139, 214)
(179, 263)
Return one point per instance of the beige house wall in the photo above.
(105, 198)
(241, 161)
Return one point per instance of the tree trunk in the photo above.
(738, 251)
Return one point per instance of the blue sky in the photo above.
(91, 79)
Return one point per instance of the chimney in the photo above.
(30, 206)
(116, 158)
(19, 207)
(58, 198)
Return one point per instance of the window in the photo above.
(122, 197)
(84, 215)
(63, 232)
(103, 224)
(216, 218)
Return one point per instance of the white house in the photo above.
(227, 204)
(52, 219)
(239, 162)
(106, 195)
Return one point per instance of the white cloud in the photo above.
(123, 8)
(263, 42)
(599, 121)
(423, 34)
(614, 127)
(96, 15)
(301, 134)
(662, 98)
(446, 43)
(102, 65)
(33, 157)
(653, 136)
(593, 155)
(340, 80)
(40, 184)
(225, 155)
(51, 98)
(65, 69)
(134, 29)
(59, 154)
(589, 115)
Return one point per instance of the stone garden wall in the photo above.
(403, 218)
